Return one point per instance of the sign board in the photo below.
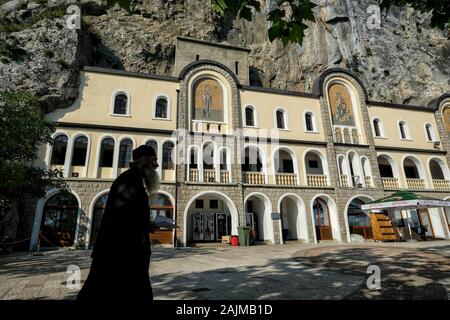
(276, 216)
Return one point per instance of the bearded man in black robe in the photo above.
(121, 253)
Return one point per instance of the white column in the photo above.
(68, 159)
(88, 157)
(200, 164)
(159, 153)
(115, 160)
(216, 163)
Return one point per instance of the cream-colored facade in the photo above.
(235, 154)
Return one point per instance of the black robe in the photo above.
(121, 254)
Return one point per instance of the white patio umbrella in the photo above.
(405, 200)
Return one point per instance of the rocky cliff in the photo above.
(403, 61)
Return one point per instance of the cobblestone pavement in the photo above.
(419, 270)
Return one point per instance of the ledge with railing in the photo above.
(224, 176)
(441, 184)
(286, 179)
(315, 180)
(209, 175)
(368, 182)
(390, 183)
(344, 180)
(254, 177)
(415, 184)
(194, 175)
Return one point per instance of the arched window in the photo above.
(59, 220)
(126, 148)
(411, 169)
(97, 216)
(280, 120)
(429, 131)
(168, 163)
(161, 108)
(59, 150)
(385, 167)
(309, 122)
(403, 130)
(153, 144)
(120, 104)
(436, 170)
(249, 117)
(107, 153)
(79, 151)
(376, 127)
(160, 205)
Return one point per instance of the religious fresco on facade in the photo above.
(446, 116)
(208, 101)
(341, 105)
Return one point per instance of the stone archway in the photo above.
(259, 207)
(356, 220)
(325, 218)
(294, 224)
(208, 216)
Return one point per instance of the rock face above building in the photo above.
(404, 61)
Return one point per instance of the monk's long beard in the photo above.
(151, 179)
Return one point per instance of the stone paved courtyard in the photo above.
(416, 270)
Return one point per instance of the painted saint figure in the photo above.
(206, 102)
(342, 112)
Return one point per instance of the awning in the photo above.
(405, 200)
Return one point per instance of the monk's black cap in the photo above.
(143, 151)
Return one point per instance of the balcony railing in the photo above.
(224, 176)
(440, 184)
(193, 175)
(317, 180)
(415, 184)
(368, 182)
(390, 183)
(344, 180)
(286, 179)
(254, 177)
(209, 175)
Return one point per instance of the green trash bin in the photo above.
(244, 236)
